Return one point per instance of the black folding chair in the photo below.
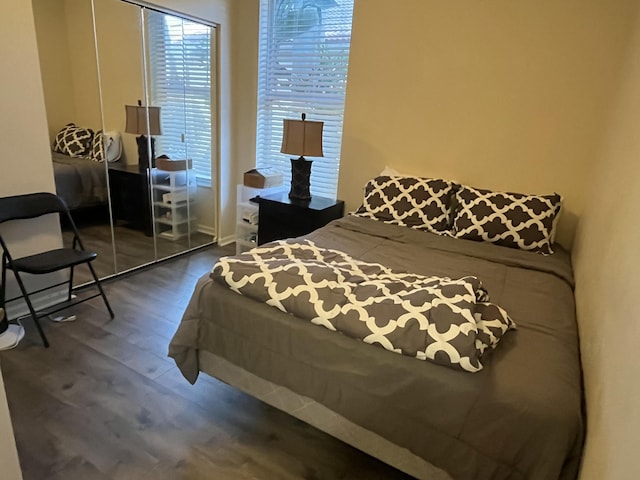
(21, 207)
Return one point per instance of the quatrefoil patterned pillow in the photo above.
(73, 141)
(415, 202)
(97, 147)
(512, 220)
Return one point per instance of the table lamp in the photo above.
(143, 121)
(301, 137)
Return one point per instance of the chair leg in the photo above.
(31, 309)
(70, 284)
(99, 285)
(4, 281)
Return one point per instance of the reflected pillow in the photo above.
(97, 147)
(74, 141)
(113, 146)
(512, 220)
(415, 202)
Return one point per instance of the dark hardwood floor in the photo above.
(105, 401)
(132, 247)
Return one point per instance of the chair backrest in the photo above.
(31, 205)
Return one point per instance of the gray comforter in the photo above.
(518, 418)
(80, 182)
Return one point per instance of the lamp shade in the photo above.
(137, 120)
(302, 137)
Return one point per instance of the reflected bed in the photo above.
(80, 181)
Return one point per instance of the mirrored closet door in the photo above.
(139, 83)
(71, 87)
(119, 45)
(179, 62)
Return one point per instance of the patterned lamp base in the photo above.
(300, 174)
(143, 153)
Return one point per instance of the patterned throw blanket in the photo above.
(447, 321)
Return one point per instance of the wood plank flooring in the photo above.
(132, 247)
(105, 401)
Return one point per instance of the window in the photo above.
(303, 62)
(181, 54)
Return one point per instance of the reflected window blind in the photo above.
(181, 73)
(303, 63)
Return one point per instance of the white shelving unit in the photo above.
(174, 198)
(247, 216)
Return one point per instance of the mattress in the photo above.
(519, 418)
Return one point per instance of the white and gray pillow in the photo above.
(513, 220)
(97, 147)
(73, 141)
(415, 202)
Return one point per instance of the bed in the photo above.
(80, 182)
(519, 417)
(79, 158)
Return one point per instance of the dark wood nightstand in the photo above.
(281, 217)
(129, 189)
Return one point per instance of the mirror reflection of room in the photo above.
(72, 100)
(131, 210)
(180, 61)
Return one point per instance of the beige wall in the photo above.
(55, 64)
(25, 156)
(606, 261)
(244, 96)
(500, 94)
(118, 33)
(68, 63)
(82, 52)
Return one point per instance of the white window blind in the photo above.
(303, 63)
(181, 73)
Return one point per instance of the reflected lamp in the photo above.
(143, 121)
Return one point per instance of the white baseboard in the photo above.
(207, 230)
(227, 240)
(42, 300)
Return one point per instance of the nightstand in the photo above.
(129, 190)
(281, 217)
